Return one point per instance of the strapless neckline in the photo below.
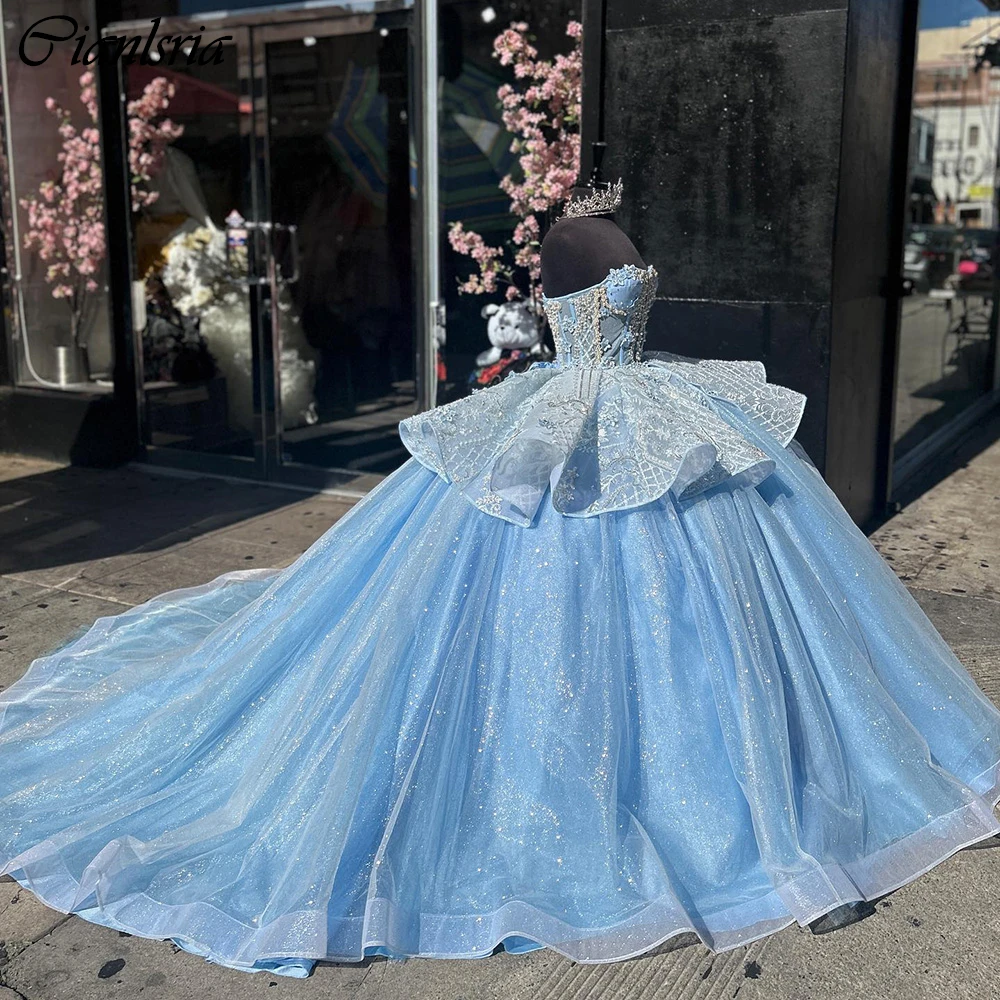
(603, 325)
(626, 271)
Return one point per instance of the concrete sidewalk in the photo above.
(78, 544)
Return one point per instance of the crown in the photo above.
(602, 202)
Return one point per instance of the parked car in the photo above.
(976, 261)
(929, 256)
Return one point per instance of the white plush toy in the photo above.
(512, 326)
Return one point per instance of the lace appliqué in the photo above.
(601, 430)
(603, 326)
(743, 383)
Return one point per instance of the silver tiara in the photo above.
(602, 202)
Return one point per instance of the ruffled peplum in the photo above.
(603, 438)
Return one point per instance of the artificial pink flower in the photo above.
(542, 114)
(66, 217)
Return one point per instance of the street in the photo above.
(943, 355)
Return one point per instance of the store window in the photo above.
(344, 104)
(948, 326)
(54, 235)
(475, 153)
(276, 267)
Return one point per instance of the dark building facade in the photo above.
(763, 149)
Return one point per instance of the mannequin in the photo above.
(576, 254)
(579, 252)
(686, 596)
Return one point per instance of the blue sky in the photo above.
(941, 13)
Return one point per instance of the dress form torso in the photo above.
(578, 253)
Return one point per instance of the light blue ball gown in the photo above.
(604, 662)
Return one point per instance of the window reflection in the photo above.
(475, 153)
(947, 330)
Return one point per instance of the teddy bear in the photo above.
(512, 326)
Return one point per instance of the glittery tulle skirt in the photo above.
(438, 731)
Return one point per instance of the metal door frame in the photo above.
(252, 30)
(902, 471)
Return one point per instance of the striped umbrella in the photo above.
(358, 132)
(474, 147)
(475, 151)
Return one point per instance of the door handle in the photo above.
(239, 232)
(439, 321)
(293, 233)
(293, 250)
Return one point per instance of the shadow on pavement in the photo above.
(976, 440)
(73, 515)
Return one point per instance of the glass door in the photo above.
(339, 185)
(195, 307)
(276, 290)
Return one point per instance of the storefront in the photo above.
(290, 295)
(284, 300)
(793, 169)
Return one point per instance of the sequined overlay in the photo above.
(605, 325)
(604, 427)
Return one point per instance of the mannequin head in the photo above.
(578, 253)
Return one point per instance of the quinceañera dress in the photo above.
(605, 661)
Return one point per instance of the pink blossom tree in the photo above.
(542, 112)
(66, 217)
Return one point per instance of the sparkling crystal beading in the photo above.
(605, 427)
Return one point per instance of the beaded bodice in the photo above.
(605, 325)
(605, 427)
